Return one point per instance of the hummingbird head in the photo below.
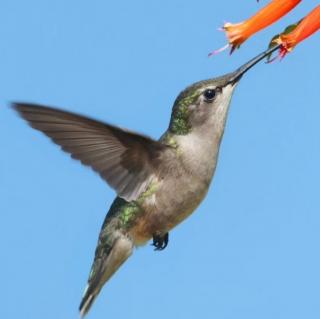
(205, 104)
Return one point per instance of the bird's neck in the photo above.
(199, 149)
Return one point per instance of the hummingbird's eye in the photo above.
(209, 95)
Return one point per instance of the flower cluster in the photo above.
(238, 33)
(302, 30)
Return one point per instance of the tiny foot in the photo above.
(160, 242)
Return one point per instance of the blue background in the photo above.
(250, 251)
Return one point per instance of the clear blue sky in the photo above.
(250, 251)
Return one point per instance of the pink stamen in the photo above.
(219, 50)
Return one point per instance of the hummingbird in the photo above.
(159, 183)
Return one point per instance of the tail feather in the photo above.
(103, 268)
(86, 303)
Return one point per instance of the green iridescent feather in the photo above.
(180, 117)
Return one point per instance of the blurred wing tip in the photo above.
(15, 105)
(19, 106)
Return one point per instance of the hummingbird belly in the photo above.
(173, 202)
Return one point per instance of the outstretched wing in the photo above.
(125, 160)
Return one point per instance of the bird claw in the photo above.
(160, 242)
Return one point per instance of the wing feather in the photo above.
(126, 161)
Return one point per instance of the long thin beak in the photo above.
(236, 76)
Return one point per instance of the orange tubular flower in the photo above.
(308, 25)
(240, 32)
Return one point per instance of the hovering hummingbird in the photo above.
(158, 183)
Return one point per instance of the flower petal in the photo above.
(240, 32)
(295, 34)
